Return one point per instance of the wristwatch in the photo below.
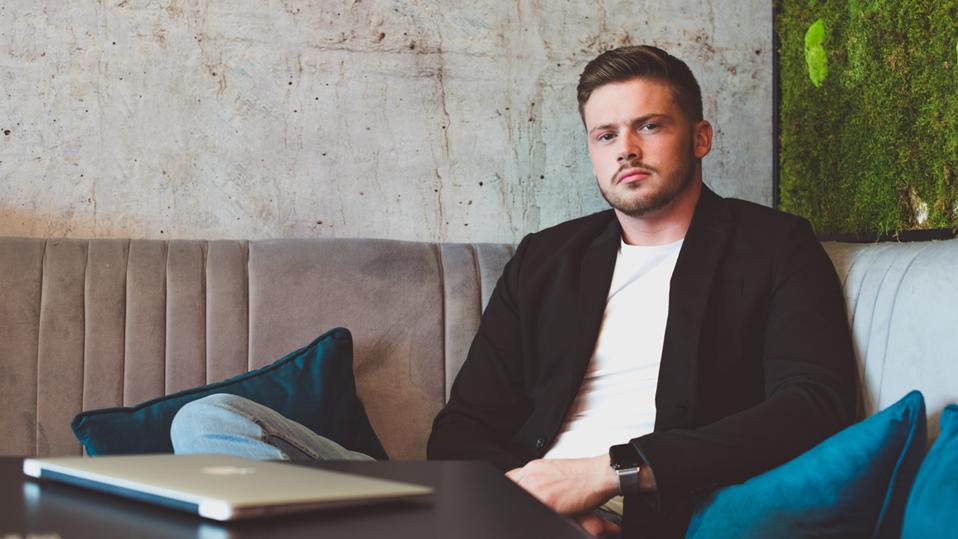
(626, 463)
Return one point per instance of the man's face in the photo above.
(644, 149)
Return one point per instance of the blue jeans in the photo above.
(232, 425)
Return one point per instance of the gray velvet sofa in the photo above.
(90, 324)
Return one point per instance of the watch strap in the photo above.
(626, 463)
(628, 479)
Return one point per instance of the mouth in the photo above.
(633, 175)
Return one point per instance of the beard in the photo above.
(627, 200)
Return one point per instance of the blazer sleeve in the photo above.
(487, 404)
(809, 377)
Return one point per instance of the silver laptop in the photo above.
(221, 487)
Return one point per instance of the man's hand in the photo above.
(568, 486)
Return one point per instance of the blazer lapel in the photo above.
(595, 277)
(705, 241)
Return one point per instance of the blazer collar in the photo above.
(595, 277)
(688, 298)
(702, 251)
(710, 213)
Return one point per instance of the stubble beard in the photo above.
(637, 206)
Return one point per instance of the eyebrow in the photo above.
(640, 119)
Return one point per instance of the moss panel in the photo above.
(869, 113)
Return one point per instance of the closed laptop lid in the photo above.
(221, 487)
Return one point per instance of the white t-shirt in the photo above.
(616, 401)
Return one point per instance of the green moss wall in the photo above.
(869, 114)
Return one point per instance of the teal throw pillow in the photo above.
(313, 386)
(933, 503)
(852, 485)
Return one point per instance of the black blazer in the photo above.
(757, 363)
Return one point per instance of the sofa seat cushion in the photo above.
(313, 386)
(854, 484)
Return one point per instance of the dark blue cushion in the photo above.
(933, 504)
(853, 484)
(313, 386)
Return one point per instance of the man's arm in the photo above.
(574, 486)
(810, 384)
(487, 404)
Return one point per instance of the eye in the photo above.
(649, 127)
(605, 137)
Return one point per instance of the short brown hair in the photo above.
(645, 62)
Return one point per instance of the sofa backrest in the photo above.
(88, 324)
(100, 323)
(902, 301)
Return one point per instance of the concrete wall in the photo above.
(420, 120)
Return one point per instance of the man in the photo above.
(697, 340)
(673, 344)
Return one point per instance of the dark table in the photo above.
(472, 500)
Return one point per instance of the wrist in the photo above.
(609, 480)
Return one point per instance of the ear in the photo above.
(702, 135)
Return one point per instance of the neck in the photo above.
(666, 225)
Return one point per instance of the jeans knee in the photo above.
(198, 418)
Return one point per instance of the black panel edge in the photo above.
(900, 236)
(776, 105)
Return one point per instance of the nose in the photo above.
(630, 149)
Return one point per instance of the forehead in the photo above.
(619, 102)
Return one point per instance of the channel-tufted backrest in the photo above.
(90, 324)
(902, 301)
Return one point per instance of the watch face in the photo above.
(624, 456)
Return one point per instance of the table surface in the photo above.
(472, 500)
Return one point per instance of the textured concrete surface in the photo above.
(452, 121)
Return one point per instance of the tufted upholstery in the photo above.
(89, 324)
(902, 301)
